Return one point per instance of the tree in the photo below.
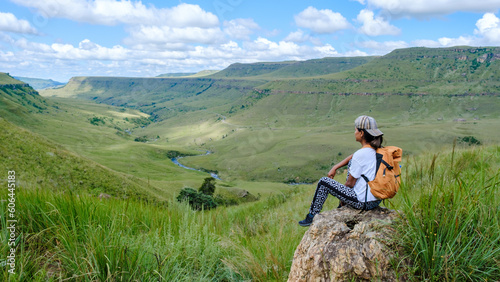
(208, 186)
(196, 200)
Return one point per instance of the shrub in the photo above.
(196, 200)
(469, 140)
(97, 121)
(208, 186)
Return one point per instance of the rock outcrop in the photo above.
(345, 245)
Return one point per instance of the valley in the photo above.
(93, 162)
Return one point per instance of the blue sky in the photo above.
(59, 39)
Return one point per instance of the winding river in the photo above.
(176, 161)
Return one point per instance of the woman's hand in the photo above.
(332, 172)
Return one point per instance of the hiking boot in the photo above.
(307, 221)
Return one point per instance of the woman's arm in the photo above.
(343, 163)
(350, 181)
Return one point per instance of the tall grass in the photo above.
(452, 212)
(450, 231)
(65, 236)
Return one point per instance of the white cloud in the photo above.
(424, 8)
(326, 50)
(300, 36)
(148, 27)
(63, 61)
(380, 48)
(375, 26)
(240, 28)
(10, 23)
(297, 36)
(487, 33)
(489, 28)
(165, 34)
(111, 12)
(321, 21)
(462, 40)
(426, 43)
(355, 53)
(447, 42)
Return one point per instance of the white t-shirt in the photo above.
(363, 162)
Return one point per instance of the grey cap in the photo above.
(369, 124)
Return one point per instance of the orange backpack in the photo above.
(387, 177)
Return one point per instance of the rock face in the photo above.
(346, 245)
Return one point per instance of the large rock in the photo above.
(345, 245)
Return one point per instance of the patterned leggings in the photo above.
(343, 193)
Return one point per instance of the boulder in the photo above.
(346, 245)
(104, 196)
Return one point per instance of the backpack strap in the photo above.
(366, 191)
(379, 160)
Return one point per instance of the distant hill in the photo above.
(204, 73)
(292, 69)
(5, 78)
(18, 99)
(38, 83)
(239, 70)
(159, 97)
(442, 71)
(176, 74)
(188, 74)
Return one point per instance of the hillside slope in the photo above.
(439, 71)
(306, 68)
(42, 164)
(18, 100)
(159, 97)
(38, 83)
(293, 129)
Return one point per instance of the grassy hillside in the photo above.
(239, 70)
(308, 68)
(292, 130)
(42, 164)
(298, 137)
(64, 236)
(5, 78)
(112, 136)
(38, 83)
(159, 97)
(441, 71)
(18, 100)
(176, 74)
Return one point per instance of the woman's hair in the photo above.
(375, 142)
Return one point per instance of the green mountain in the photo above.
(248, 70)
(73, 145)
(307, 68)
(261, 127)
(18, 100)
(176, 74)
(159, 97)
(442, 71)
(40, 163)
(38, 83)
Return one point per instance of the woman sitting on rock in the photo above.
(363, 162)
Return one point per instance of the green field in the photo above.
(266, 125)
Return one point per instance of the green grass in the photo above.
(451, 205)
(438, 71)
(5, 78)
(39, 162)
(450, 231)
(285, 136)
